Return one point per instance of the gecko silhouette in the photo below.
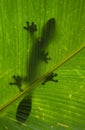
(37, 54)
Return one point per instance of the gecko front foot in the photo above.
(44, 57)
(32, 28)
(50, 78)
(18, 82)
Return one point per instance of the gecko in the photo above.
(37, 54)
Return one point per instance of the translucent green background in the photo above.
(56, 106)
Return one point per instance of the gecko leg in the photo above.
(43, 55)
(18, 82)
(50, 78)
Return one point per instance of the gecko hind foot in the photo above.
(17, 82)
(31, 28)
(50, 78)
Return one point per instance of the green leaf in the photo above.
(55, 105)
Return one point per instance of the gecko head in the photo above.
(51, 27)
(48, 31)
(51, 22)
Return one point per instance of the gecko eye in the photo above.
(51, 21)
